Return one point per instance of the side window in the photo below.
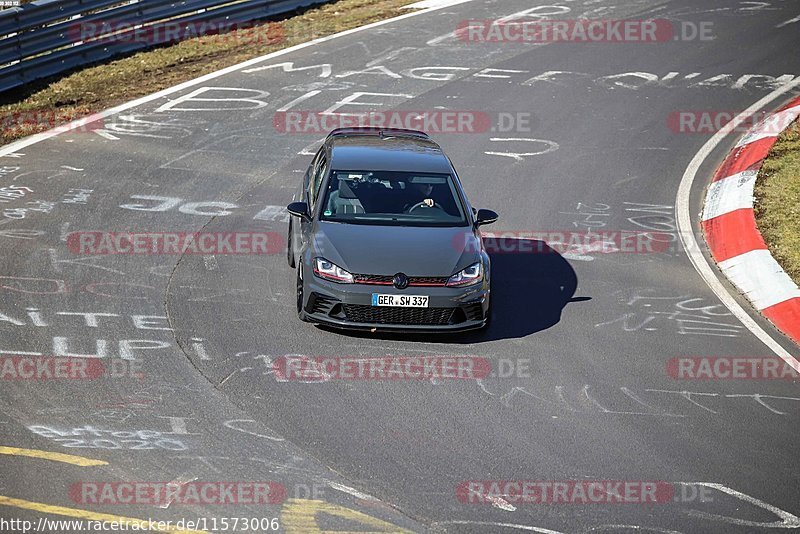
(308, 178)
(316, 180)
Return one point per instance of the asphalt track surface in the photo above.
(596, 330)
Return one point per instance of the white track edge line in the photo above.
(36, 138)
(684, 222)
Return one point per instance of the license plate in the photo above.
(400, 301)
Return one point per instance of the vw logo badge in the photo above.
(400, 281)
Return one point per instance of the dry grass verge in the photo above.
(778, 201)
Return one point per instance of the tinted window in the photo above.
(393, 198)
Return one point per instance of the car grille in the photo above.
(427, 280)
(372, 279)
(384, 280)
(359, 313)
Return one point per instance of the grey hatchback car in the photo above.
(383, 237)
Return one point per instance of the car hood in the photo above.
(387, 250)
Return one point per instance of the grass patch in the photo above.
(777, 204)
(96, 88)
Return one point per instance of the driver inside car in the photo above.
(419, 193)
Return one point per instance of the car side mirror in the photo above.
(299, 209)
(485, 217)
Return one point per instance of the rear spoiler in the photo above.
(382, 132)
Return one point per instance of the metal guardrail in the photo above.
(43, 38)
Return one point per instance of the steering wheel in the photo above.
(423, 205)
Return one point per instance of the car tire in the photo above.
(290, 248)
(301, 314)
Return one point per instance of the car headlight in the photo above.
(330, 271)
(471, 275)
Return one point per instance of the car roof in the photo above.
(371, 149)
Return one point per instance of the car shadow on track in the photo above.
(531, 285)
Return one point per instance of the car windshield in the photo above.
(392, 198)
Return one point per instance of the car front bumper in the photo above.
(450, 309)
